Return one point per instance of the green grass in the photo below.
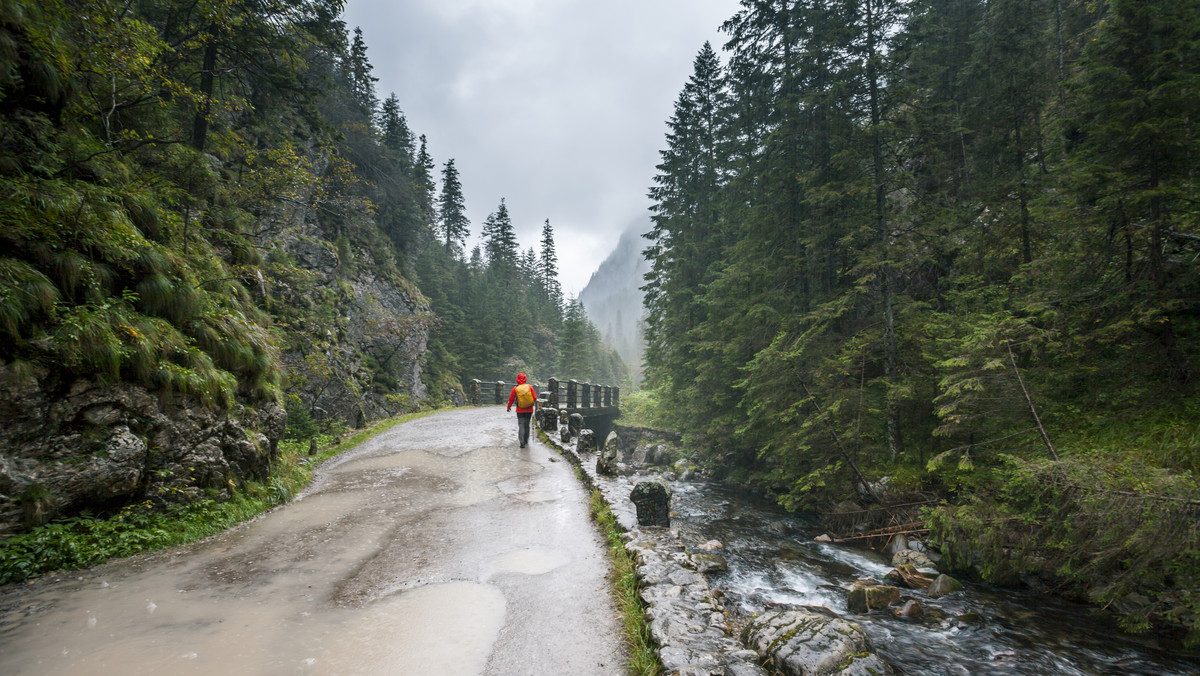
(643, 661)
(86, 540)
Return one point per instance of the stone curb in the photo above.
(688, 623)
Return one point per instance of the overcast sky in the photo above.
(558, 106)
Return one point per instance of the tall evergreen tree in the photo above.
(686, 239)
(397, 136)
(359, 69)
(453, 223)
(425, 185)
(500, 242)
(548, 270)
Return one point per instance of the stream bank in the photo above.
(772, 564)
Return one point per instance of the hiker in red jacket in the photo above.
(525, 397)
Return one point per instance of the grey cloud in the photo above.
(556, 105)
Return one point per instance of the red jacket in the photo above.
(512, 396)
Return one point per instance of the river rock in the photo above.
(709, 563)
(653, 502)
(575, 422)
(711, 545)
(944, 584)
(606, 461)
(587, 441)
(868, 665)
(898, 543)
(863, 598)
(805, 642)
(912, 608)
(564, 433)
(913, 558)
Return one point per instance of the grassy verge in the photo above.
(86, 540)
(643, 661)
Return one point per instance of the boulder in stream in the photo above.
(944, 584)
(863, 598)
(911, 609)
(913, 558)
(709, 563)
(606, 462)
(802, 642)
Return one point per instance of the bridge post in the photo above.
(596, 396)
(607, 396)
(616, 396)
(552, 392)
(572, 384)
(585, 395)
(499, 390)
(474, 391)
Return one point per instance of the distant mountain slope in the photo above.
(613, 297)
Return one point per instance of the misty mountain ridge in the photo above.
(613, 296)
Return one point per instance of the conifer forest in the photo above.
(942, 251)
(954, 243)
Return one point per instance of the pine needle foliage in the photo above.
(948, 242)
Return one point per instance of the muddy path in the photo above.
(438, 547)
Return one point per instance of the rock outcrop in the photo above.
(653, 502)
(808, 642)
(100, 447)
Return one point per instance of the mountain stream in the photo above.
(983, 630)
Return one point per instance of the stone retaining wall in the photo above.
(689, 624)
(694, 632)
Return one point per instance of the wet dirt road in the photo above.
(436, 548)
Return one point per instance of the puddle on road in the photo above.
(445, 629)
(533, 496)
(264, 599)
(532, 561)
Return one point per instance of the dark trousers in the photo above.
(523, 427)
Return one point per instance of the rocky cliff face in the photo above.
(100, 447)
(613, 297)
(350, 335)
(355, 335)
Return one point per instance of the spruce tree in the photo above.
(453, 223)
(548, 270)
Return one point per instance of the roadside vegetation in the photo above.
(90, 539)
(955, 245)
(643, 661)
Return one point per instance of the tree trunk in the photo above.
(207, 78)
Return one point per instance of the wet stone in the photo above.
(575, 422)
(587, 441)
(863, 599)
(548, 419)
(804, 642)
(606, 462)
(913, 558)
(687, 620)
(653, 502)
(710, 563)
(943, 585)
